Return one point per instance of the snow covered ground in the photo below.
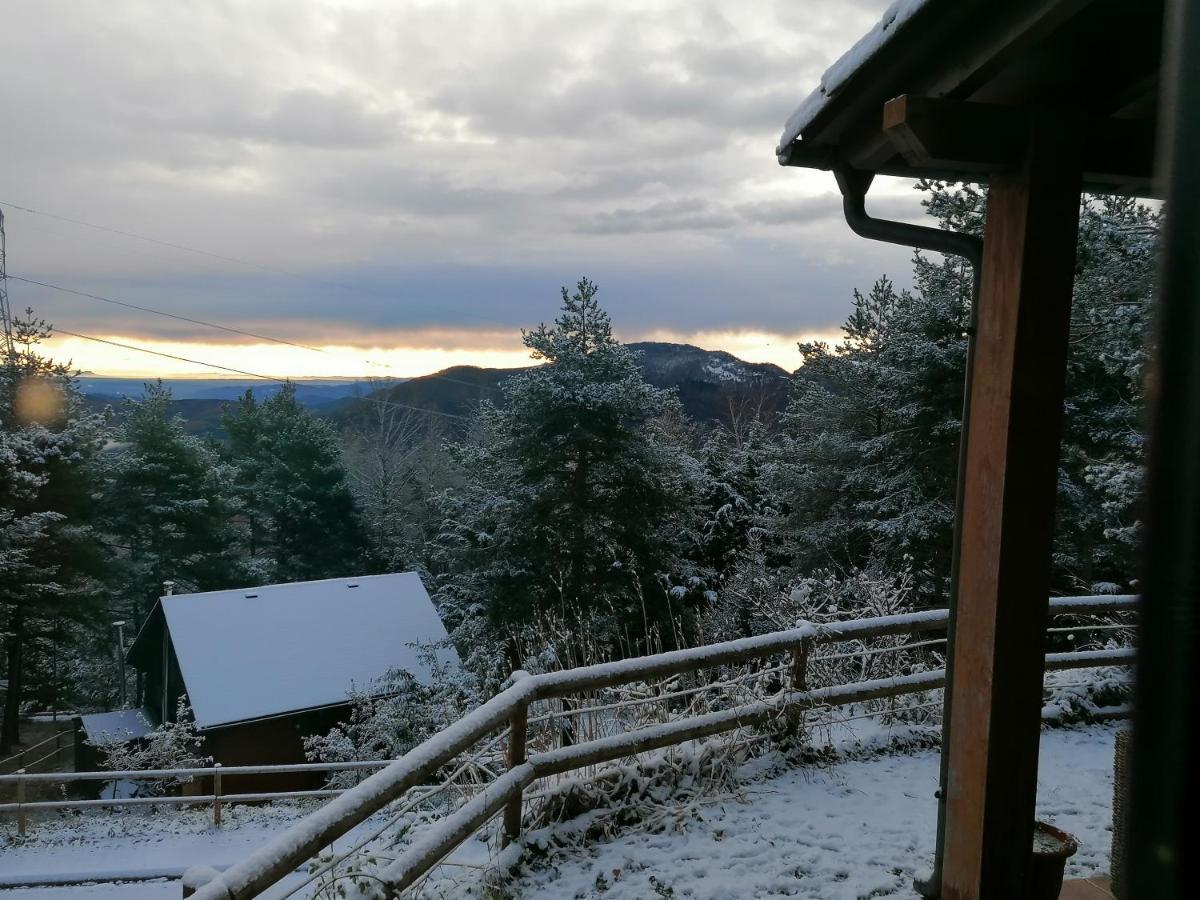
(856, 829)
(853, 830)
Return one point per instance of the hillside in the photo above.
(200, 402)
(712, 384)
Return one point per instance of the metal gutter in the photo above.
(854, 184)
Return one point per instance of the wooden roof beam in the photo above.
(948, 135)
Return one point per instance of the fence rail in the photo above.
(510, 709)
(20, 760)
(22, 808)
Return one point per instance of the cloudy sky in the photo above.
(404, 185)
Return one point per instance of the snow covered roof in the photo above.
(946, 89)
(265, 651)
(115, 727)
(894, 19)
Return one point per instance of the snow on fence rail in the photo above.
(510, 709)
(21, 779)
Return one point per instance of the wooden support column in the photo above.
(1008, 516)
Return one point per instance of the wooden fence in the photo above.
(509, 711)
(41, 752)
(22, 808)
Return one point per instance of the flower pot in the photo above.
(1052, 847)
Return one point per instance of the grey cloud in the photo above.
(303, 117)
(667, 215)
(461, 156)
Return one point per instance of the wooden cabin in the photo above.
(264, 667)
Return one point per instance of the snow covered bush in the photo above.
(172, 745)
(390, 717)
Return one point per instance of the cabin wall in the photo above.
(277, 741)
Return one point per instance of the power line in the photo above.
(275, 270)
(195, 362)
(229, 329)
(168, 315)
(234, 259)
(226, 328)
(143, 237)
(199, 362)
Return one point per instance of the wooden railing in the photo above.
(36, 754)
(218, 799)
(510, 709)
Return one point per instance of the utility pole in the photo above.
(120, 626)
(168, 590)
(6, 321)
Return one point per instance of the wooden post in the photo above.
(800, 665)
(20, 801)
(1008, 517)
(217, 794)
(794, 718)
(516, 757)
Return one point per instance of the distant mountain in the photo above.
(712, 384)
(309, 392)
(200, 401)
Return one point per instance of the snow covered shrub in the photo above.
(1077, 696)
(396, 714)
(776, 600)
(172, 745)
(658, 791)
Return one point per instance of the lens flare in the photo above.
(39, 401)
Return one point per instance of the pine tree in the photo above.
(866, 463)
(168, 508)
(738, 511)
(867, 460)
(294, 490)
(48, 553)
(577, 500)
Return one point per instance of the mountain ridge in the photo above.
(713, 385)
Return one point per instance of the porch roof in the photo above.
(961, 77)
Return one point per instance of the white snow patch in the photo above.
(863, 828)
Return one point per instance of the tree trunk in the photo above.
(10, 732)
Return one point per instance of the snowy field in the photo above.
(856, 829)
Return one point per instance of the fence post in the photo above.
(20, 801)
(800, 665)
(518, 725)
(516, 756)
(217, 794)
(794, 717)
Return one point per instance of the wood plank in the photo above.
(1008, 517)
(948, 135)
(1086, 889)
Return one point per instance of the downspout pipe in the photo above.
(854, 184)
